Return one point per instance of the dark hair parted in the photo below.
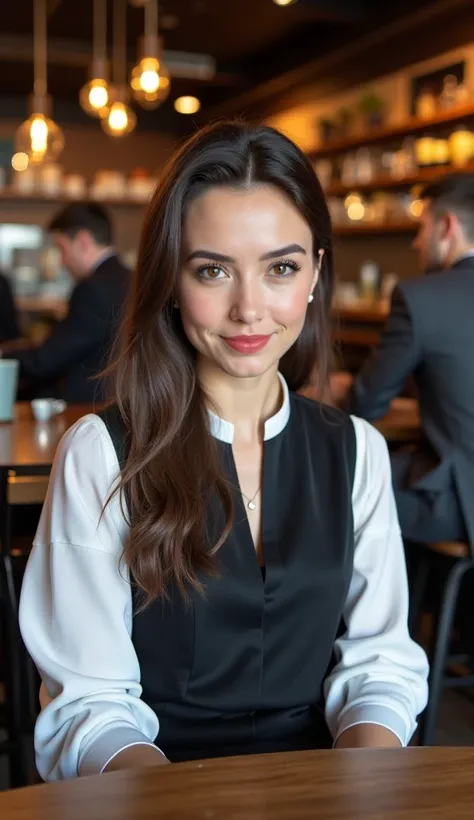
(84, 216)
(455, 193)
(173, 469)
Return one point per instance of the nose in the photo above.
(248, 306)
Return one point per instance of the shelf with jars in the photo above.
(50, 182)
(388, 133)
(384, 181)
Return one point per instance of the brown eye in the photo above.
(209, 272)
(283, 270)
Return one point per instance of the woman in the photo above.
(217, 550)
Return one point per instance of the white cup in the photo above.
(45, 409)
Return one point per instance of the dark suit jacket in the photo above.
(78, 347)
(430, 335)
(9, 328)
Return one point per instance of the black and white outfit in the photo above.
(430, 336)
(260, 663)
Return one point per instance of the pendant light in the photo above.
(39, 137)
(150, 79)
(94, 95)
(120, 119)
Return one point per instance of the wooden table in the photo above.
(28, 443)
(408, 784)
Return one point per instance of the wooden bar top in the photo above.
(356, 784)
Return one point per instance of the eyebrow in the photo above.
(201, 253)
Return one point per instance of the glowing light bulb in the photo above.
(150, 82)
(120, 120)
(284, 2)
(39, 137)
(187, 105)
(98, 96)
(39, 134)
(94, 98)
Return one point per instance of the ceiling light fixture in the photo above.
(150, 78)
(284, 2)
(187, 105)
(121, 119)
(94, 95)
(39, 137)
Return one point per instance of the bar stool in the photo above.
(455, 558)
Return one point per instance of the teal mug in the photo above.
(8, 385)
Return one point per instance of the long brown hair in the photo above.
(173, 465)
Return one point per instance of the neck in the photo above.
(459, 252)
(97, 255)
(246, 403)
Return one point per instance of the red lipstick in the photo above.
(247, 344)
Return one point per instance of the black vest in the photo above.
(241, 669)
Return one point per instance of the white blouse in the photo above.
(76, 610)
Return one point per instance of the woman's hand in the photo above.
(136, 757)
(367, 736)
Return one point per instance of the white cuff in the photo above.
(380, 716)
(106, 745)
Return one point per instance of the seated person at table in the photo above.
(243, 588)
(430, 335)
(77, 349)
(9, 328)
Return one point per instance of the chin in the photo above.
(248, 368)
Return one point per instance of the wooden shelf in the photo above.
(11, 195)
(423, 176)
(368, 228)
(412, 125)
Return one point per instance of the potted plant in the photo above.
(371, 107)
(326, 129)
(344, 121)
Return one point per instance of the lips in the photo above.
(247, 344)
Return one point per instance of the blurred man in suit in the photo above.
(9, 328)
(430, 335)
(77, 350)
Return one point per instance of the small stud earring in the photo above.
(175, 305)
(310, 298)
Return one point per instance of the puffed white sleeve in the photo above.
(76, 615)
(380, 674)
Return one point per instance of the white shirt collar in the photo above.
(224, 430)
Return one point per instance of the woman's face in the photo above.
(248, 268)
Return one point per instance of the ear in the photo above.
(448, 225)
(452, 226)
(84, 237)
(317, 269)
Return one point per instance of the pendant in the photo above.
(251, 505)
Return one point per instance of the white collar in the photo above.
(224, 430)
